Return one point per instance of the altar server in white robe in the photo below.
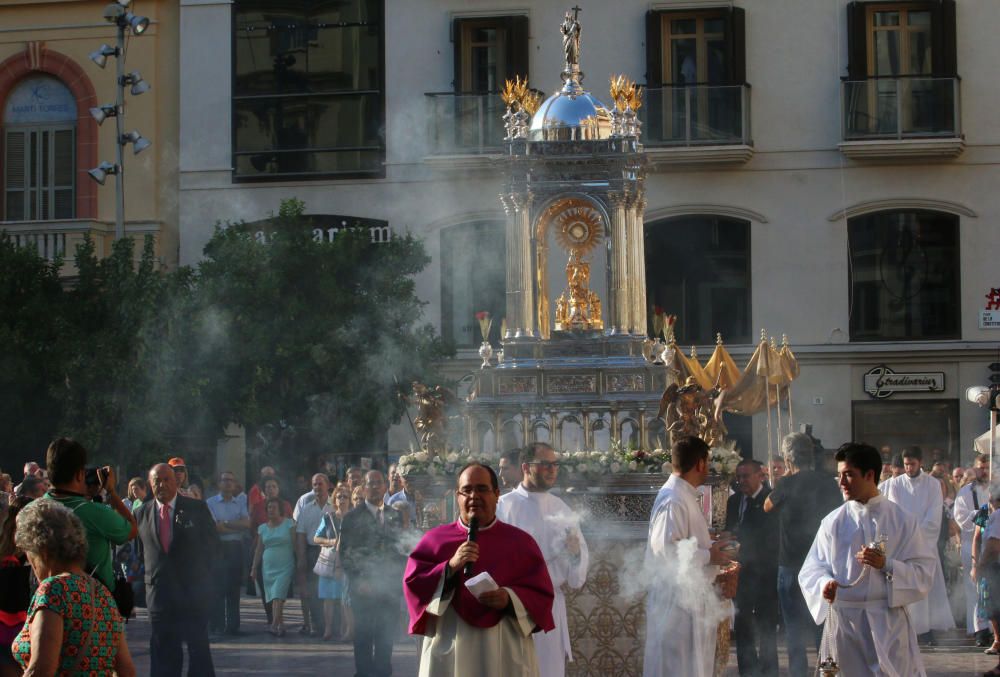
(970, 498)
(683, 609)
(920, 495)
(555, 528)
(872, 634)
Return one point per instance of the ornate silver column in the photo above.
(637, 265)
(520, 288)
(619, 287)
(526, 326)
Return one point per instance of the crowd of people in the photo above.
(885, 547)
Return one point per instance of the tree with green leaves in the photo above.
(313, 336)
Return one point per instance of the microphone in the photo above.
(473, 533)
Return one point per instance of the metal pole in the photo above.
(119, 122)
(993, 438)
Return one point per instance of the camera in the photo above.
(92, 477)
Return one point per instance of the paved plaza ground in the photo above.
(255, 652)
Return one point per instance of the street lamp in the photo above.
(988, 396)
(118, 14)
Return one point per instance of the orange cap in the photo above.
(176, 462)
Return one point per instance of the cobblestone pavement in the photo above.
(254, 652)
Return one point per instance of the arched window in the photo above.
(39, 165)
(473, 279)
(903, 272)
(698, 268)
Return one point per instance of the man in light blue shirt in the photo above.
(232, 522)
(404, 496)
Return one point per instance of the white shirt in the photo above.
(308, 514)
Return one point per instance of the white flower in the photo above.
(616, 467)
(452, 457)
(633, 465)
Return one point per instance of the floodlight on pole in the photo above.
(139, 86)
(100, 172)
(113, 12)
(139, 24)
(138, 141)
(100, 113)
(100, 57)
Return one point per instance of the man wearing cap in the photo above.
(180, 471)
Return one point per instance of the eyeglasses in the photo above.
(469, 492)
(545, 465)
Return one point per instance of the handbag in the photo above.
(329, 559)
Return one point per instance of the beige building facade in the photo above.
(817, 168)
(50, 141)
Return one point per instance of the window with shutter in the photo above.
(902, 69)
(696, 76)
(489, 50)
(39, 167)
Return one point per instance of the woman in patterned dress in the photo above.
(73, 626)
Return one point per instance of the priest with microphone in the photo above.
(477, 589)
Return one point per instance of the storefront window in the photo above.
(931, 425)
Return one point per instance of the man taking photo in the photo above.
(106, 524)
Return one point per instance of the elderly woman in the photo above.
(270, 487)
(73, 626)
(274, 558)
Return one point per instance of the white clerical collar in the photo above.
(481, 528)
(872, 502)
(757, 493)
(523, 491)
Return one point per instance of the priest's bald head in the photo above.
(477, 492)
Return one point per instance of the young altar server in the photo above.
(682, 609)
(555, 528)
(920, 495)
(489, 634)
(872, 633)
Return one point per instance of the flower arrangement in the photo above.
(423, 463)
(575, 464)
(724, 458)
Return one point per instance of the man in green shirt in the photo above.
(106, 525)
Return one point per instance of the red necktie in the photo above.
(165, 527)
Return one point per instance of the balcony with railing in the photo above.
(465, 128)
(58, 239)
(901, 117)
(697, 124)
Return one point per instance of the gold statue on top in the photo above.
(578, 307)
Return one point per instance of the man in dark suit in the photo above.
(374, 563)
(180, 543)
(755, 627)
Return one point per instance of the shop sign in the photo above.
(882, 382)
(989, 318)
(324, 227)
(40, 100)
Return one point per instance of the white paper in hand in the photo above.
(481, 583)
